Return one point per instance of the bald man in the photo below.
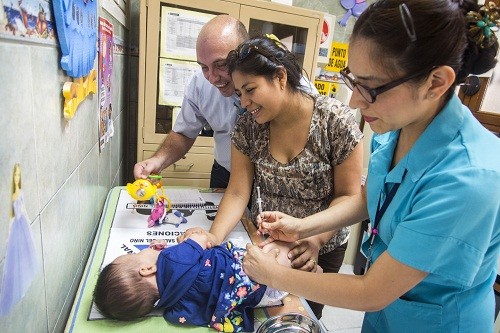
(209, 99)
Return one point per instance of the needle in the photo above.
(259, 199)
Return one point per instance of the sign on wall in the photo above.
(338, 57)
(326, 39)
(326, 88)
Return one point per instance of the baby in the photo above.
(193, 284)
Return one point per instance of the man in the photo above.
(209, 98)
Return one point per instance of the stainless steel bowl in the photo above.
(290, 323)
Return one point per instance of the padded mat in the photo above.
(123, 229)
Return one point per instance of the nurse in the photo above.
(432, 193)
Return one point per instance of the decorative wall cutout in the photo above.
(354, 8)
(76, 22)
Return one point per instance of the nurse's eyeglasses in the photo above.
(370, 94)
(243, 51)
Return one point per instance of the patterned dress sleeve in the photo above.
(244, 133)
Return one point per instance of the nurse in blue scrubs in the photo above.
(433, 186)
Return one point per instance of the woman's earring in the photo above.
(431, 94)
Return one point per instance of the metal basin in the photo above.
(290, 323)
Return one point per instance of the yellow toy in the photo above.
(141, 189)
(144, 189)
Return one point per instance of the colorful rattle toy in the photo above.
(141, 189)
(144, 189)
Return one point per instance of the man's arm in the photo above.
(173, 148)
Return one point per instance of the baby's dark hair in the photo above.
(264, 56)
(121, 293)
(414, 36)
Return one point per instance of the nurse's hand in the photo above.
(279, 226)
(259, 266)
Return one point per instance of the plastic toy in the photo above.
(145, 189)
(142, 189)
(159, 212)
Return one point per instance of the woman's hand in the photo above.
(279, 226)
(201, 237)
(304, 255)
(259, 266)
(211, 239)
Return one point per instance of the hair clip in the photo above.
(408, 22)
(276, 40)
(484, 24)
(273, 37)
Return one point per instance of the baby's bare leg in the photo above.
(284, 248)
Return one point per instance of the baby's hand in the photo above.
(158, 244)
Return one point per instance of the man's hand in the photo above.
(144, 168)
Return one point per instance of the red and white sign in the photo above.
(326, 39)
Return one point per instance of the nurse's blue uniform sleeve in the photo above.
(449, 228)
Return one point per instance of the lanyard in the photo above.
(378, 216)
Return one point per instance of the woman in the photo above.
(300, 150)
(434, 170)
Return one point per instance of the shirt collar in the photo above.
(439, 133)
(384, 153)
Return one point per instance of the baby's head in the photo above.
(126, 289)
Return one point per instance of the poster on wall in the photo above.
(29, 20)
(105, 81)
(172, 79)
(179, 31)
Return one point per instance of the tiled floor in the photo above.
(341, 320)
